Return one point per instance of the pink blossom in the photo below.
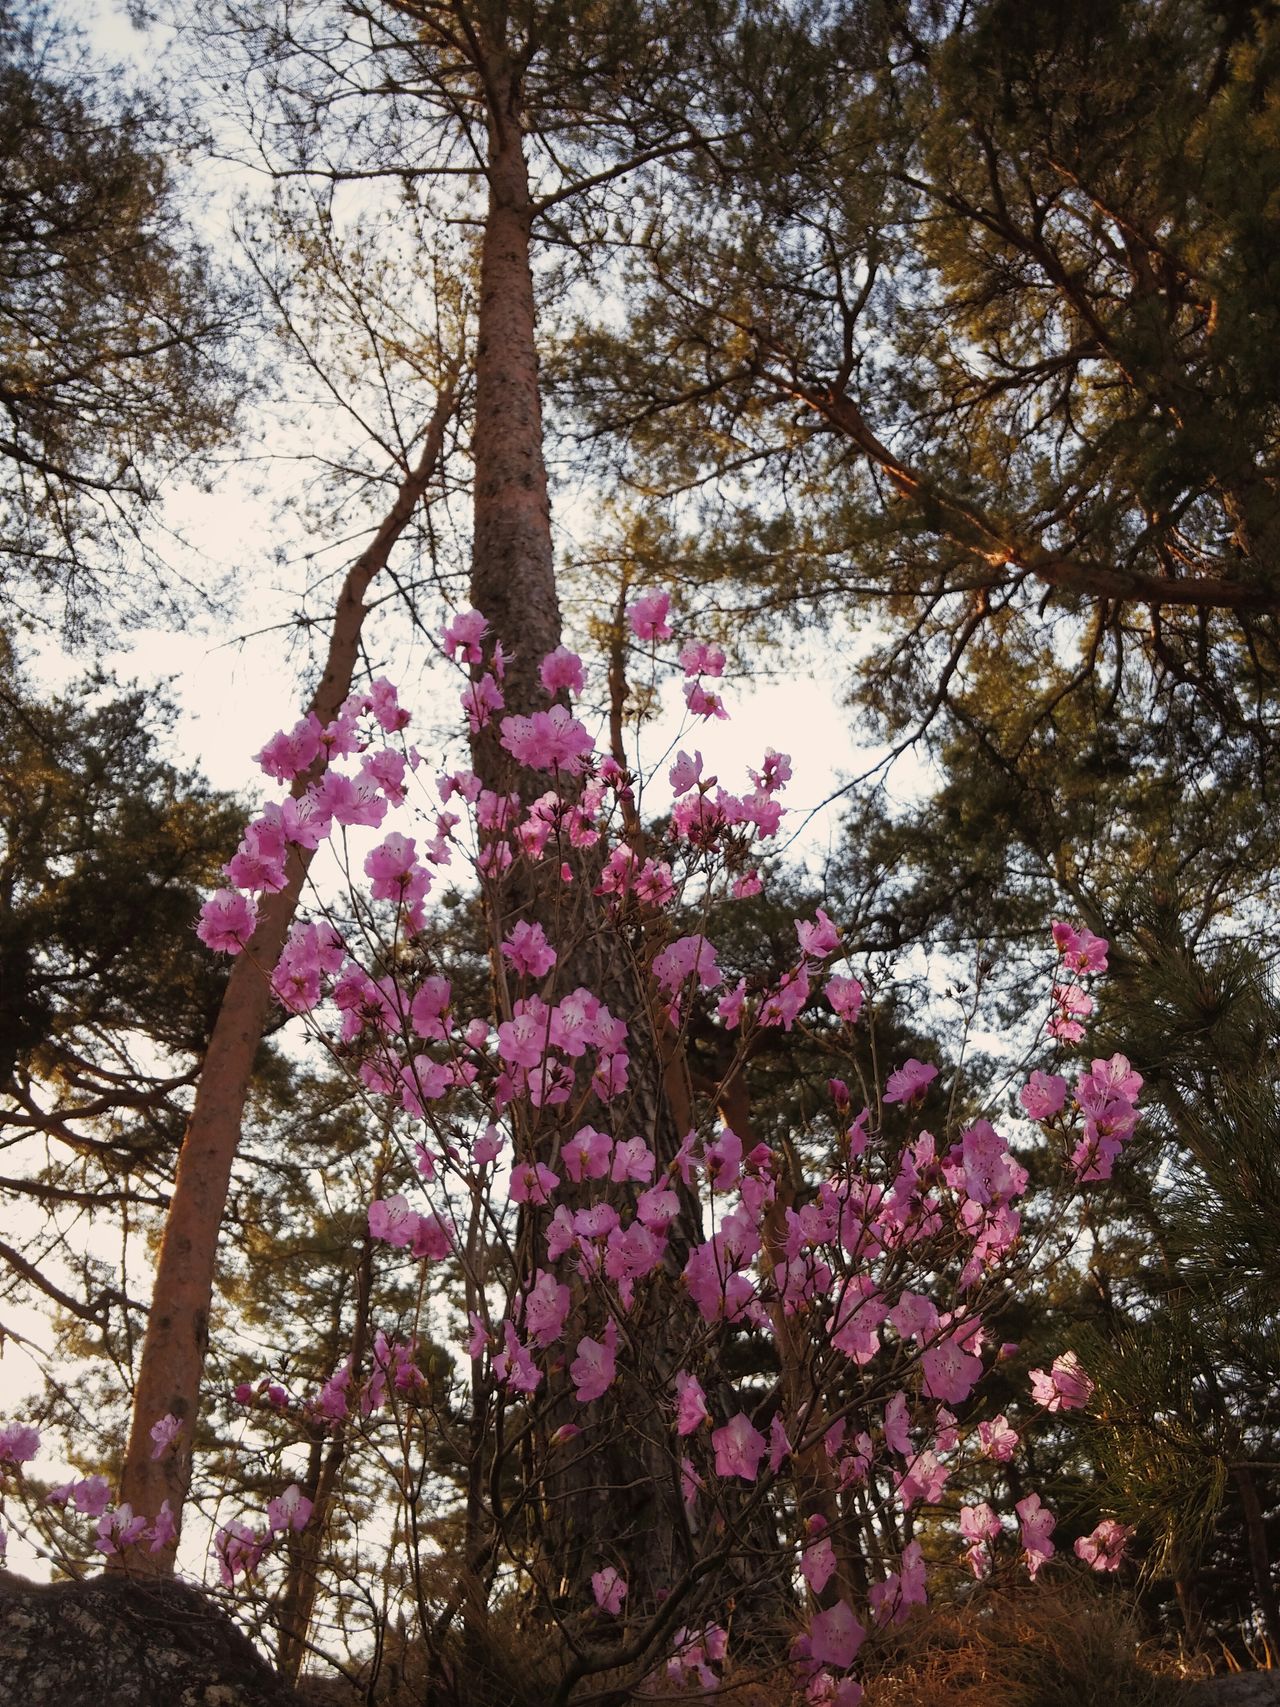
(119, 1529)
(347, 800)
(561, 671)
(632, 1160)
(923, 1479)
(915, 1317)
(687, 957)
(902, 1589)
(818, 1560)
(1044, 1095)
(594, 1369)
(610, 1589)
(389, 866)
(287, 756)
(1081, 950)
(533, 1182)
(1065, 1388)
(648, 616)
(784, 1002)
(227, 921)
(385, 705)
(739, 1447)
(699, 658)
(997, 1439)
(290, 1510)
(19, 1443)
(548, 740)
(897, 1439)
(818, 937)
(514, 1366)
(845, 996)
(480, 700)
(546, 1309)
(835, 1636)
(1038, 1524)
(164, 1434)
(979, 1526)
(164, 1531)
(238, 1550)
(528, 950)
(909, 1081)
(685, 772)
(1104, 1549)
(691, 1403)
(949, 1371)
(704, 704)
(91, 1496)
(464, 634)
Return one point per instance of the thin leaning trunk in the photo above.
(173, 1350)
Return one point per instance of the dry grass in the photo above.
(1048, 1645)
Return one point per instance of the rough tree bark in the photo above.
(173, 1351)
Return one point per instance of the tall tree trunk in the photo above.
(173, 1350)
(613, 1496)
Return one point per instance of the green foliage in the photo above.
(115, 327)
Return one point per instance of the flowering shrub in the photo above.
(600, 1264)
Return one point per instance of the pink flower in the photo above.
(547, 741)
(704, 704)
(891, 1599)
(739, 1447)
(119, 1529)
(1038, 1524)
(594, 1369)
(385, 705)
(997, 1440)
(464, 634)
(238, 1550)
(949, 1371)
(90, 1496)
(685, 772)
(648, 616)
(610, 1589)
(546, 1309)
(698, 658)
(528, 950)
(845, 996)
(515, 1366)
(561, 671)
(923, 1479)
(1104, 1549)
(909, 1081)
(818, 937)
(835, 1636)
(290, 1510)
(227, 921)
(1081, 950)
(533, 1182)
(979, 1526)
(164, 1433)
(818, 1560)
(1044, 1095)
(19, 1443)
(691, 1403)
(164, 1531)
(1065, 1388)
(687, 957)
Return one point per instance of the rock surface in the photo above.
(117, 1642)
(1244, 1689)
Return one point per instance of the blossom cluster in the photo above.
(880, 1270)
